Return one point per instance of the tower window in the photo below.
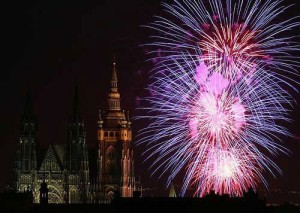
(111, 134)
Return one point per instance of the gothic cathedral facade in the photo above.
(65, 168)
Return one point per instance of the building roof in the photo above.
(53, 159)
(60, 152)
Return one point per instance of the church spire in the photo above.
(28, 124)
(27, 146)
(113, 100)
(114, 78)
(76, 113)
(28, 114)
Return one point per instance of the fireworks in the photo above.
(216, 132)
(217, 97)
(234, 36)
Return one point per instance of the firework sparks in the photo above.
(217, 97)
(218, 132)
(228, 171)
(216, 113)
(233, 37)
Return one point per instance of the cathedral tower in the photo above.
(76, 159)
(115, 150)
(26, 159)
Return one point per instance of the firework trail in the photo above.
(217, 94)
(234, 36)
(221, 134)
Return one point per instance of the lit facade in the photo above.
(115, 148)
(65, 168)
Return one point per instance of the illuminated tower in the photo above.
(115, 150)
(76, 159)
(26, 158)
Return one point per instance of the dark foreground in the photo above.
(212, 203)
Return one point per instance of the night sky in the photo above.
(49, 45)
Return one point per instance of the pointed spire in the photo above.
(114, 77)
(114, 73)
(28, 108)
(28, 124)
(76, 113)
(113, 101)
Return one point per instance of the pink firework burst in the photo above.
(219, 132)
(216, 121)
(218, 93)
(217, 116)
(226, 171)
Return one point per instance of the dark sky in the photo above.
(48, 45)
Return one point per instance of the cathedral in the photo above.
(64, 170)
